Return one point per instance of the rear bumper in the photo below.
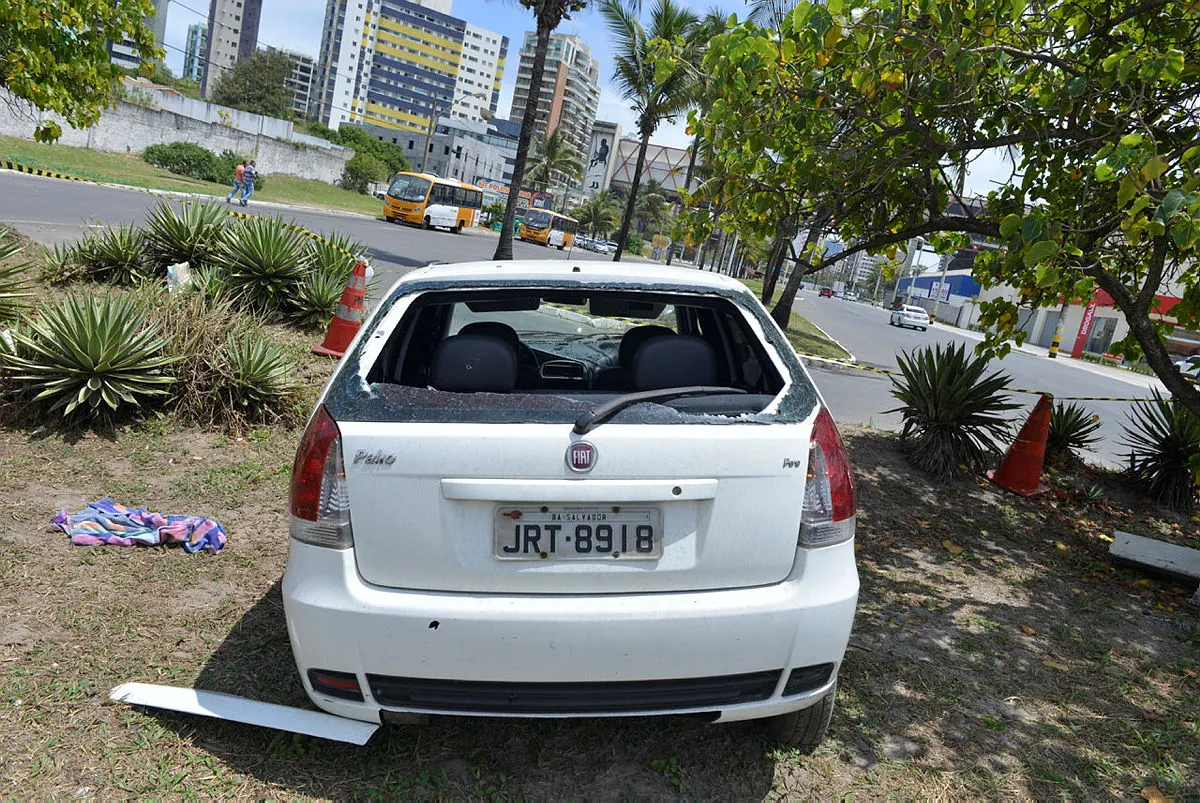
(729, 653)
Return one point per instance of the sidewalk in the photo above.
(1119, 374)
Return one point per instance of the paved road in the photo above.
(862, 396)
(54, 211)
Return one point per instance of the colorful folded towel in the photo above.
(106, 522)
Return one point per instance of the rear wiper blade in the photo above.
(594, 418)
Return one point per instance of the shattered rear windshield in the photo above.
(573, 347)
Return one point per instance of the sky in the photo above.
(296, 25)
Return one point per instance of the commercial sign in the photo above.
(497, 191)
(940, 290)
(601, 157)
(1085, 329)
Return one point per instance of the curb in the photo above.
(889, 372)
(853, 360)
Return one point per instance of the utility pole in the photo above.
(937, 304)
(1058, 330)
(428, 140)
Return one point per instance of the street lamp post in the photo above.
(434, 121)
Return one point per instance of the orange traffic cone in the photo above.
(1021, 471)
(347, 318)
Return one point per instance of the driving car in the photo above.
(554, 489)
(1188, 365)
(825, 292)
(850, 295)
(908, 315)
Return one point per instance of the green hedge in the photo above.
(195, 161)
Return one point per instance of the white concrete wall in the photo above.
(130, 128)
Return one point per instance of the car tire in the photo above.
(923, 328)
(457, 229)
(425, 224)
(804, 729)
(560, 248)
(387, 219)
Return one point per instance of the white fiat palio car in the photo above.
(545, 489)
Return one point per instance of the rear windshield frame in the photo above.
(350, 397)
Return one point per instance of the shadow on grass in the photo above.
(456, 757)
(997, 647)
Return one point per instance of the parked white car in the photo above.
(512, 502)
(915, 317)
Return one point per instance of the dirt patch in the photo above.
(997, 652)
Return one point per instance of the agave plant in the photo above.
(258, 378)
(14, 284)
(951, 411)
(210, 283)
(62, 264)
(1072, 429)
(116, 254)
(1163, 438)
(91, 355)
(193, 235)
(264, 261)
(335, 254)
(316, 298)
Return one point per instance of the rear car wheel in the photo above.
(458, 229)
(804, 729)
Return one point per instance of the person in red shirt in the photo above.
(238, 173)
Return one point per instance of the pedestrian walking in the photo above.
(239, 174)
(248, 182)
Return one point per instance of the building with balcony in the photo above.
(400, 65)
(232, 36)
(570, 91)
(194, 52)
(302, 80)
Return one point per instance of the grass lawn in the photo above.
(129, 169)
(806, 338)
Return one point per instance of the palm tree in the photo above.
(651, 207)
(549, 13)
(654, 96)
(553, 158)
(598, 214)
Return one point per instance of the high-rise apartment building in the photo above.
(232, 36)
(194, 52)
(302, 80)
(401, 65)
(570, 90)
(123, 54)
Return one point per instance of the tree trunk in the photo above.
(623, 235)
(504, 248)
(782, 313)
(784, 232)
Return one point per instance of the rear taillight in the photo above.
(829, 502)
(320, 505)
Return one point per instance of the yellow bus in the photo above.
(548, 228)
(426, 200)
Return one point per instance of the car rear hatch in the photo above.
(497, 507)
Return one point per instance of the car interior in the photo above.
(581, 345)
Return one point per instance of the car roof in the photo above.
(635, 275)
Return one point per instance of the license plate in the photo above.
(577, 532)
